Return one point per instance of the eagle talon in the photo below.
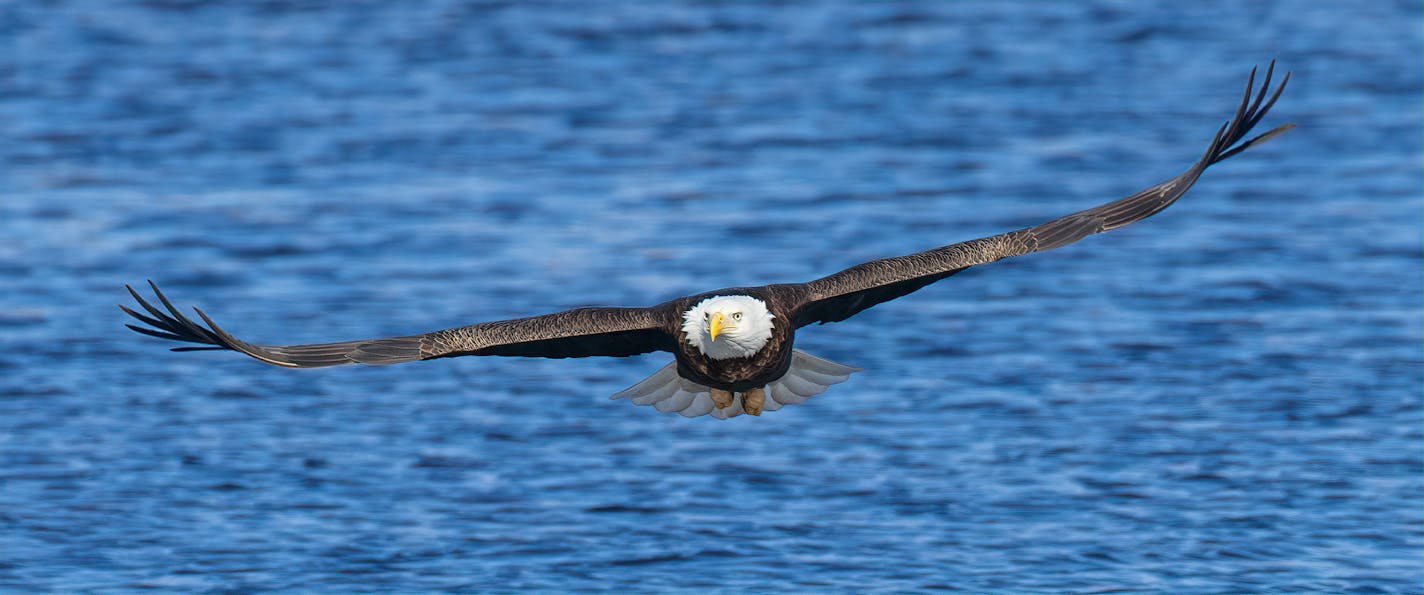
(721, 398)
(752, 401)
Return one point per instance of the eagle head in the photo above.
(728, 326)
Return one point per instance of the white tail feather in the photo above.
(784, 395)
(639, 393)
(668, 392)
(677, 402)
(701, 405)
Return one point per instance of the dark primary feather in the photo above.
(842, 295)
(573, 333)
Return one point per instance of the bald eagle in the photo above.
(732, 347)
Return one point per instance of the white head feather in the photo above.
(746, 326)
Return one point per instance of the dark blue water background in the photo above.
(1224, 398)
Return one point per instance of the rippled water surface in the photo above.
(1224, 398)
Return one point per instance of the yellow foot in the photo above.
(752, 401)
(721, 398)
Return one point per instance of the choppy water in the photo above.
(1224, 398)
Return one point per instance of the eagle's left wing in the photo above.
(842, 295)
(581, 332)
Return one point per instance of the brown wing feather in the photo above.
(842, 295)
(573, 333)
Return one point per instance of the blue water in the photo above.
(1224, 398)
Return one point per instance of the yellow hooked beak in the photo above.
(716, 324)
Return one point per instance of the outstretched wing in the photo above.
(582, 332)
(842, 295)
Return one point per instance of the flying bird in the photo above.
(733, 348)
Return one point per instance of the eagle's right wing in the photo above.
(581, 332)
